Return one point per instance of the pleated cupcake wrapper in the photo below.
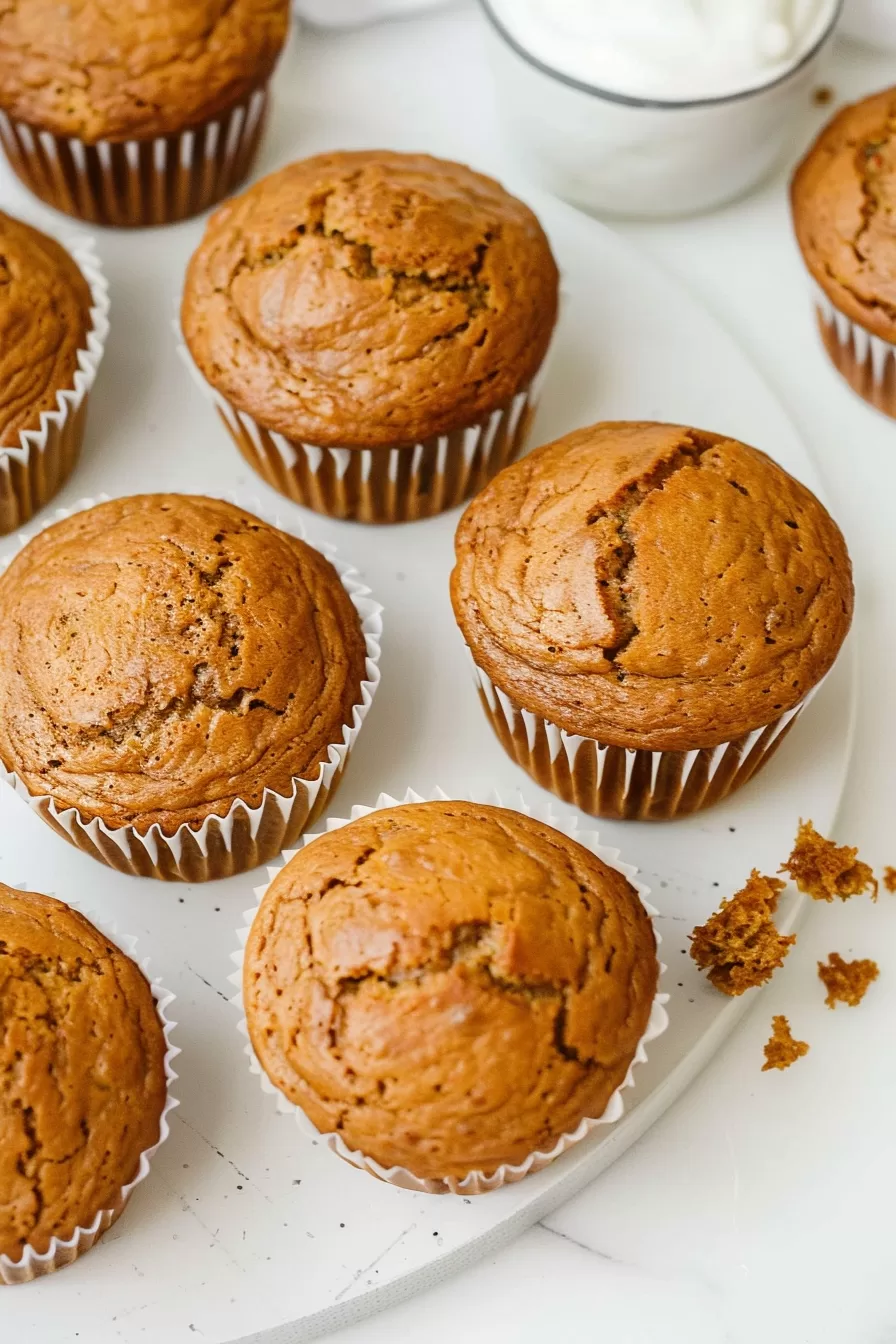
(476, 1182)
(32, 472)
(244, 836)
(136, 182)
(620, 782)
(867, 362)
(61, 1252)
(381, 485)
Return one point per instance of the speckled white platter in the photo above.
(246, 1230)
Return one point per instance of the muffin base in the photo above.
(34, 471)
(620, 783)
(476, 1182)
(245, 836)
(867, 362)
(132, 183)
(33, 1264)
(382, 485)
(221, 847)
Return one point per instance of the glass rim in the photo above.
(667, 104)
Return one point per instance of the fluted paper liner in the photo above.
(867, 362)
(61, 1252)
(381, 485)
(244, 836)
(34, 471)
(620, 782)
(130, 183)
(476, 1182)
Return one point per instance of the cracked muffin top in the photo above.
(370, 299)
(44, 322)
(164, 655)
(82, 1071)
(450, 986)
(101, 71)
(651, 586)
(843, 197)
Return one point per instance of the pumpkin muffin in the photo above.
(395, 306)
(166, 657)
(82, 1074)
(843, 196)
(163, 103)
(450, 987)
(659, 599)
(45, 320)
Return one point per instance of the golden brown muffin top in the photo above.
(450, 986)
(163, 655)
(82, 1071)
(843, 196)
(133, 68)
(651, 586)
(44, 322)
(370, 299)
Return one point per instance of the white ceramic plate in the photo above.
(245, 1229)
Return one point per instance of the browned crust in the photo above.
(44, 322)
(82, 1075)
(842, 195)
(123, 70)
(164, 655)
(449, 986)
(651, 586)
(370, 299)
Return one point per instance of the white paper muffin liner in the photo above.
(476, 1182)
(381, 485)
(624, 783)
(32, 472)
(130, 183)
(244, 836)
(866, 361)
(34, 1265)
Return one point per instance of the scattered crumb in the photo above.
(739, 946)
(824, 870)
(823, 95)
(781, 1050)
(846, 981)
(890, 879)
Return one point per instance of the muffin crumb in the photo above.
(890, 878)
(781, 1050)
(846, 981)
(251, 658)
(739, 946)
(824, 870)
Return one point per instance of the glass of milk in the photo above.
(655, 107)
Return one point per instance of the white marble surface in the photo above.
(759, 1207)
